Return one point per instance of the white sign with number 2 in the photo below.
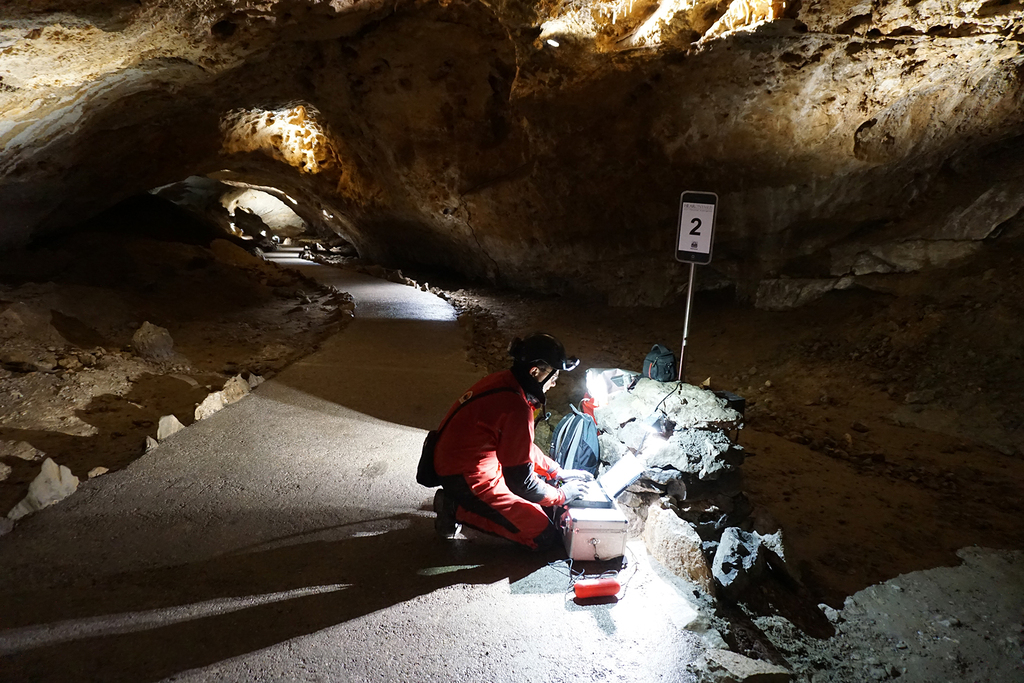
(695, 223)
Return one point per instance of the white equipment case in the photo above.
(593, 527)
(594, 533)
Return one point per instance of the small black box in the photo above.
(737, 403)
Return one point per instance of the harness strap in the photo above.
(470, 400)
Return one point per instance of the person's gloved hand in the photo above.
(576, 475)
(574, 490)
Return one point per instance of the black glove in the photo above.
(574, 490)
(576, 475)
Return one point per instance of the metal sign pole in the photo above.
(686, 323)
(695, 237)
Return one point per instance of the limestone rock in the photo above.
(235, 389)
(186, 379)
(611, 448)
(982, 217)
(22, 450)
(676, 428)
(676, 545)
(729, 667)
(685, 405)
(250, 224)
(232, 254)
(744, 13)
(741, 559)
(27, 360)
(153, 342)
(151, 443)
(210, 405)
(704, 453)
(20, 319)
(169, 424)
(5, 471)
(792, 127)
(897, 257)
(919, 397)
(97, 472)
(54, 483)
(783, 294)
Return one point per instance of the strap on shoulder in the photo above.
(470, 400)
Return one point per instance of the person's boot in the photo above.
(445, 524)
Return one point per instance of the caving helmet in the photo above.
(536, 350)
(540, 348)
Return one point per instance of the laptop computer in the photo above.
(611, 484)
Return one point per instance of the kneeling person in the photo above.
(493, 477)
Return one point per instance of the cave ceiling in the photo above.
(537, 145)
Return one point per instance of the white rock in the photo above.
(235, 389)
(54, 483)
(5, 471)
(713, 640)
(210, 405)
(612, 449)
(97, 472)
(684, 404)
(255, 381)
(739, 668)
(169, 424)
(151, 443)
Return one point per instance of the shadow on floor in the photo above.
(65, 633)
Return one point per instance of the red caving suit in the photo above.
(487, 462)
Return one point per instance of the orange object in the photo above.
(587, 405)
(596, 588)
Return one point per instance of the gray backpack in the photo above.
(574, 445)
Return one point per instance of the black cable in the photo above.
(678, 388)
(636, 568)
(565, 567)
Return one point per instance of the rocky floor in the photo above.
(884, 420)
(884, 423)
(73, 387)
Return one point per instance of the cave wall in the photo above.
(541, 146)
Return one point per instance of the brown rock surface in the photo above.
(542, 146)
(676, 545)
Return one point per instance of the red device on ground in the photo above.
(596, 588)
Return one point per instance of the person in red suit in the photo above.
(493, 477)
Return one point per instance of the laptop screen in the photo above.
(621, 475)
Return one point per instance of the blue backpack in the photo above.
(574, 445)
